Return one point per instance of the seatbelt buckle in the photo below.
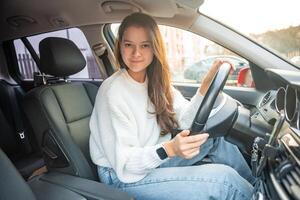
(22, 135)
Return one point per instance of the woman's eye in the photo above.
(146, 46)
(127, 45)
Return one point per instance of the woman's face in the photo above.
(136, 51)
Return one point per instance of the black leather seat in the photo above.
(59, 112)
(52, 186)
(12, 185)
(24, 153)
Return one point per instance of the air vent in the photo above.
(288, 174)
(265, 99)
(291, 182)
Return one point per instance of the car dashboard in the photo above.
(278, 162)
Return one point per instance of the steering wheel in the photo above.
(209, 99)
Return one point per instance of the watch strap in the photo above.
(161, 152)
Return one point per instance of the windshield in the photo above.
(275, 24)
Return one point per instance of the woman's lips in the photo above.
(136, 61)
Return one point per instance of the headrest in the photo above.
(60, 57)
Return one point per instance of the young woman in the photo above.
(135, 110)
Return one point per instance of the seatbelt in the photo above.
(31, 50)
(19, 126)
(102, 53)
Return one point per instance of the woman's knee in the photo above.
(227, 174)
(225, 171)
(236, 184)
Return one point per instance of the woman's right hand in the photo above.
(211, 74)
(184, 145)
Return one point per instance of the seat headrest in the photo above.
(60, 57)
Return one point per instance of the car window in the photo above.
(278, 32)
(27, 65)
(190, 56)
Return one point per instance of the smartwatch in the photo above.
(161, 152)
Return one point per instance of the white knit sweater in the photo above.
(124, 135)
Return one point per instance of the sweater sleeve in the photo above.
(186, 110)
(128, 158)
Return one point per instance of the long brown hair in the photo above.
(158, 72)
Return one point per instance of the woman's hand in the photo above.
(184, 145)
(210, 75)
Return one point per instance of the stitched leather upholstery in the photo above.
(59, 114)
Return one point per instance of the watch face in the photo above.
(161, 153)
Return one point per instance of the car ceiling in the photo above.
(22, 18)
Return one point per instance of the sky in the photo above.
(254, 16)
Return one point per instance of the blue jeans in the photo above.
(228, 178)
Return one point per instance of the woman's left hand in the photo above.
(210, 75)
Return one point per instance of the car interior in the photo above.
(48, 93)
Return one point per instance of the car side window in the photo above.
(27, 65)
(190, 56)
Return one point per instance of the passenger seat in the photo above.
(60, 112)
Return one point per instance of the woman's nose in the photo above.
(136, 52)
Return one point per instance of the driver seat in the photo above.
(60, 110)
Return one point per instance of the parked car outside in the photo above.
(197, 70)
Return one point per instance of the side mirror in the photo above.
(245, 78)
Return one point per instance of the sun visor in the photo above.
(155, 8)
(194, 4)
